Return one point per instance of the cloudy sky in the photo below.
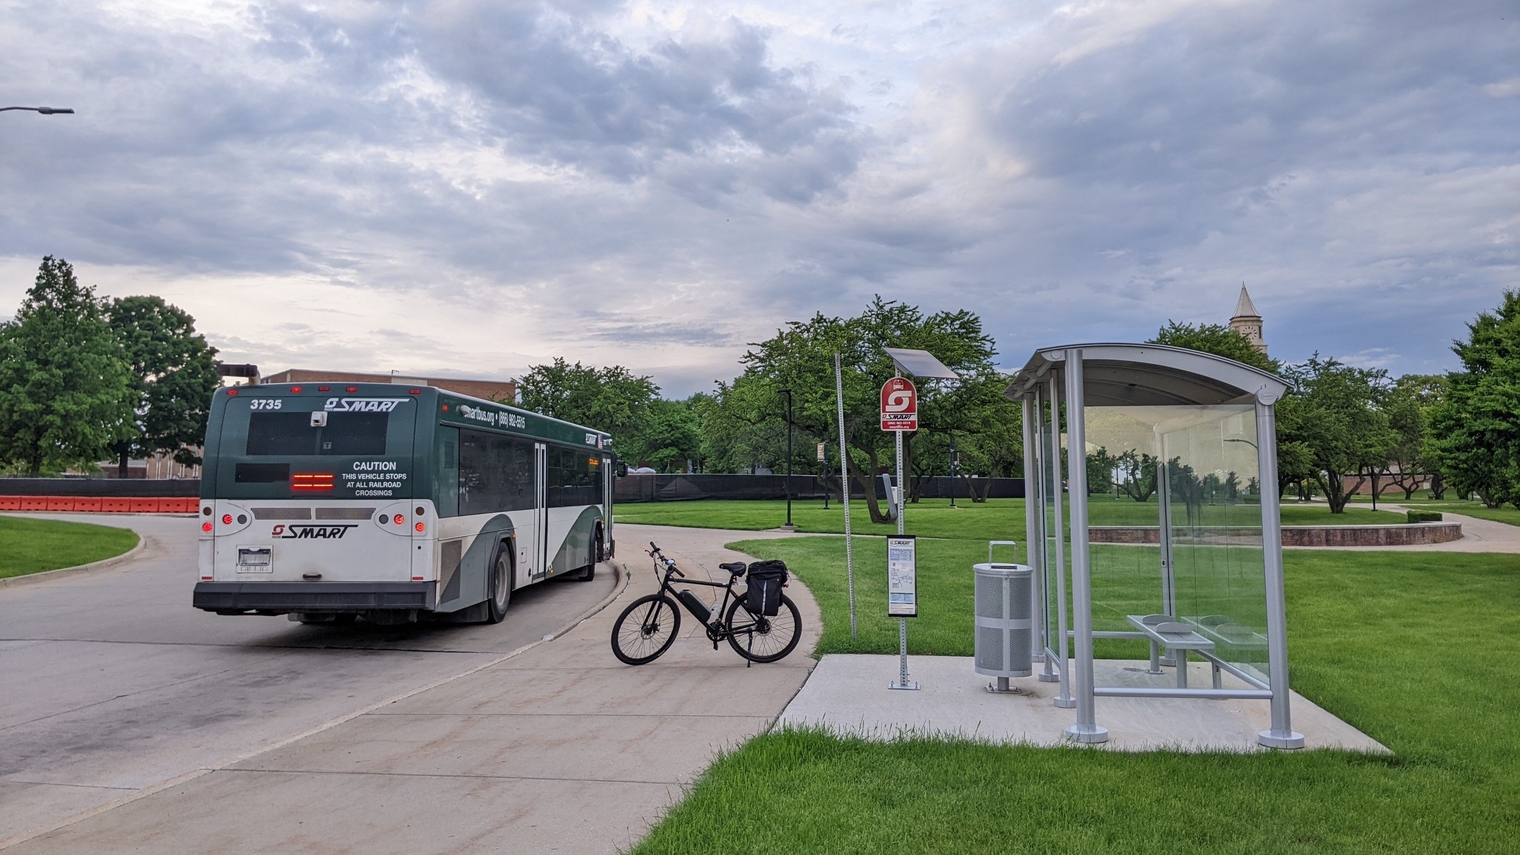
(469, 187)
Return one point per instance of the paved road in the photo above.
(557, 749)
(111, 683)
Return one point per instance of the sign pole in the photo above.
(902, 598)
(901, 554)
(844, 489)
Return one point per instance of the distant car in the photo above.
(642, 470)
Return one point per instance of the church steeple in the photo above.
(1247, 320)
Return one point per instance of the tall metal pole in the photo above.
(954, 469)
(1281, 734)
(789, 458)
(825, 446)
(1086, 729)
(844, 491)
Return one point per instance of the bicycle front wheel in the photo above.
(645, 629)
(763, 639)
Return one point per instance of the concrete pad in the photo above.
(23, 800)
(589, 748)
(232, 813)
(849, 694)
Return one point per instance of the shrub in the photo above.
(1424, 516)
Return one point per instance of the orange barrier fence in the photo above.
(101, 505)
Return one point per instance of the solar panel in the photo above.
(920, 363)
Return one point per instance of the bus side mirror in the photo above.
(622, 469)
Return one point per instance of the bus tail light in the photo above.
(226, 519)
(420, 528)
(400, 520)
(311, 481)
(206, 527)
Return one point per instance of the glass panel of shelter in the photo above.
(1180, 535)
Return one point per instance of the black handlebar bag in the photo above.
(765, 581)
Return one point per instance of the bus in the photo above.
(393, 502)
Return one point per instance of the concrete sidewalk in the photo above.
(848, 694)
(559, 748)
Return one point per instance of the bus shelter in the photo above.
(1174, 548)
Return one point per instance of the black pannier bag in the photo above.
(765, 581)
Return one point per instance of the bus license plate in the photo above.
(254, 560)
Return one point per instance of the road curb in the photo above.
(617, 591)
(104, 563)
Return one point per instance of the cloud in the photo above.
(478, 186)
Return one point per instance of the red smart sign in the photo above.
(899, 405)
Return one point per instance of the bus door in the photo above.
(541, 510)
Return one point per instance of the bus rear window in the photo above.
(291, 434)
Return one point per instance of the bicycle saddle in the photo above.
(734, 569)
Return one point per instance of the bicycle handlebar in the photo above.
(654, 552)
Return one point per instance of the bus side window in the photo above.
(446, 492)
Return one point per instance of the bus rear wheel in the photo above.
(500, 588)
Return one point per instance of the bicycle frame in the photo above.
(716, 626)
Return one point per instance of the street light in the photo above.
(46, 111)
(788, 394)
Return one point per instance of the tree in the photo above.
(800, 357)
(668, 435)
(65, 386)
(1100, 471)
(1336, 421)
(1216, 339)
(1138, 475)
(612, 399)
(1475, 431)
(1408, 404)
(173, 377)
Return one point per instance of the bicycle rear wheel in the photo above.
(645, 629)
(763, 639)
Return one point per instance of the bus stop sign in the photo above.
(899, 405)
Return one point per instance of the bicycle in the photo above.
(647, 628)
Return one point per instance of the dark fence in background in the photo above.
(686, 488)
(106, 487)
(630, 488)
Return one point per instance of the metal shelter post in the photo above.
(1034, 514)
(1168, 566)
(1281, 734)
(1086, 729)
(844, 486)
(1064, 700)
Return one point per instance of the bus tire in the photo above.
(499, 586)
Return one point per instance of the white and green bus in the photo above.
(393, 502)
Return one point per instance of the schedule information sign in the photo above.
(902, 576)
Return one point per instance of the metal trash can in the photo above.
(1004, 628)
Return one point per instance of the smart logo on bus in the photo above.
(362, 405)
(321, 532)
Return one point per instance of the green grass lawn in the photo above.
(33, 545)
(1416, 649)
(995, 519)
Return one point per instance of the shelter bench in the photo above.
(1164, 631)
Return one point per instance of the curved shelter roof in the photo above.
(1151, 375)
